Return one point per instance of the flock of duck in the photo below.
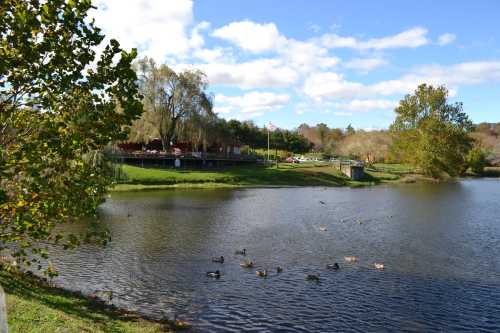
(264, 272)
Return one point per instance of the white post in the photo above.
(3, 312)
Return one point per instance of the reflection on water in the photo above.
(439, 244)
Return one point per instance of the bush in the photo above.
(476, 160)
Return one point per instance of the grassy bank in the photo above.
(285, 175)
(33, 307)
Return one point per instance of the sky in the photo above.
(303, 61)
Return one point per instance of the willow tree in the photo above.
(60, 104)
(431, 133)
(171, 99)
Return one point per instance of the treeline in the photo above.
(487, 136)
(371, 146)
(177, 108)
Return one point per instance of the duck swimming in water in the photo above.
(322, 228)
(335, 266)
(220, 259)
(242, 252)
(261, 273)
(247, 264)
(378, 266)
(312, 277)
(351, 259)
(279, 269)
(215, 274)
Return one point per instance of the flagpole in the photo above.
(268, 145)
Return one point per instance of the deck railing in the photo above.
(190, 155)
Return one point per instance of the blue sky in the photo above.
(337, 62)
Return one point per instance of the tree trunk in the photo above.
(165, 143)
(3, 312)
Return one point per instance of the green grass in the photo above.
(491, 172)
(395, 168)
(33, 307)
(313, 174)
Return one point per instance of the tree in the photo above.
(476, 160)
(171, 99)
(350, 130)
(323, 133)
(370, 146)
(60, 105)
(432, 134)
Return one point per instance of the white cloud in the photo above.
(365, 64)
(411, 38)
(196, 40)
(303, 56)
(306, 56)
(446, 38)
(251, 36)
(467, 73)
(358, 105)
(331, 85)
(217, 54)
(343, 114)
(223, 109)
(252, 103)
(157, 28)
(268, 73)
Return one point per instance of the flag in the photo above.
(271, 127)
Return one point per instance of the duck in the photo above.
(102, 296)
(247, 264)
(215, 274)
(351, 259)
(322, 202)
(261, 273)
(312, 277)
(177, 324)
(218, 259)
(181, 325)
(378, 266)
(322, 228)
(335, 266)
(242, 252)
(279, 269)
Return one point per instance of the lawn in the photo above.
(313, 174)
(33, 307)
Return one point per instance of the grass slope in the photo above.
(33, 307)
(285, 175)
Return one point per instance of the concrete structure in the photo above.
(352, 169)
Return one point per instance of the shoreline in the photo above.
(51, 307)
(287, 176)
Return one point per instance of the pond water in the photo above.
(440, 244)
